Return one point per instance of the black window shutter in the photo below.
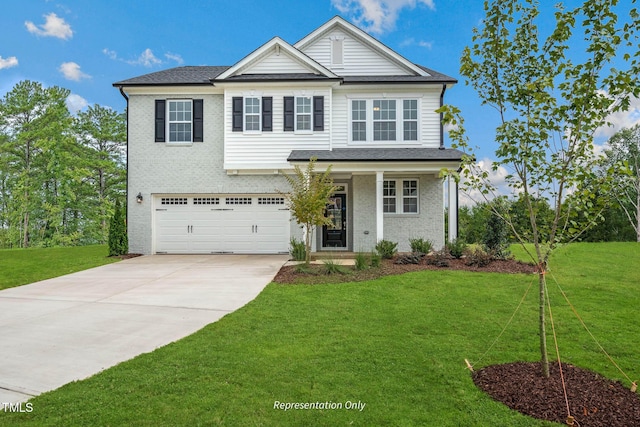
(198, 120)
(237, 114)
(267, 114)
(160, 117)
(289, 116)
(318, 113)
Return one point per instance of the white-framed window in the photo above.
(410, 119)
(180, 120)
(359, 120)
(303, 113)
(400, 196)
(252, 114)
(384, 120)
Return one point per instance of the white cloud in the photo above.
(174, 57)
(71, 71)
(621, 120)
(76, 103)
(11, 61)
(377, 16)
(146, 58)
(54, 26)
(496, 178)
(412, 42)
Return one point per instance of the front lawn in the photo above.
(396, 344)
(22, 266)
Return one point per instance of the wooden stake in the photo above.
(634, 387)
(469, 367)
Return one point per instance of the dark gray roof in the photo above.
(377, 155)
(190, 75)
(203, 75)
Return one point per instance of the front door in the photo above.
(335, 235)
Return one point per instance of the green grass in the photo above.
(21, 266)
(397, 344)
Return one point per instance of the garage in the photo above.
(214, 224)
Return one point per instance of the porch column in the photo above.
(453, 209)
(379, 207)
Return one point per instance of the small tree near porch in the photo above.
(308, 199)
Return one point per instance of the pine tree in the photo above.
(118, 241)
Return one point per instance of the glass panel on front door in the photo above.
(335, 234)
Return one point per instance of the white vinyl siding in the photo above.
(276, 63)
(269, 150)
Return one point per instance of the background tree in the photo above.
(623, 159)
(308, 199)
(102, 133)
(549, 106)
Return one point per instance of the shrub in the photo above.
(298, 251)
(375, 259)
(118, 241)
(439, 258)
(412, 258)
(456, 248)
(495, 238)
(333, 267)
(421, 245)
(387, 249)
(361, 261)
(478, 257)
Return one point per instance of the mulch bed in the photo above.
(594, 401)
(289, 274)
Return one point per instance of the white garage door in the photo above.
(221, 224)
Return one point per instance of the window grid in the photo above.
(389, 196)
(238, 201)
(303, 113)
(410, 122)
(271, 200)
(405, 202)
(206, 200)
(180, 116)
(173, 201)
(359, 120)
(384, 120)
(252, 114)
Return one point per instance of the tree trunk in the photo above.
(543, 334)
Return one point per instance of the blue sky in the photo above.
(85, 46)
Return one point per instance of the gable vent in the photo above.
(337, 51)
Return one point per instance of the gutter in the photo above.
(444, 89)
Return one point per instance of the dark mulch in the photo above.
(594, 401)
(127, 256)
(289, 274)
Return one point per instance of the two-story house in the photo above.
(207, 146)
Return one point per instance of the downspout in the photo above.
(126, 205)
(444, 89)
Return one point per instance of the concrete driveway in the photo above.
(71, 327)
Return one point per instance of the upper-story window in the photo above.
(252, 114)
(384, 120)
(180, 116)
(303, 113)
(179, 120)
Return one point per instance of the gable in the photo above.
(276, 61)
(358, 58)
(362, 55)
